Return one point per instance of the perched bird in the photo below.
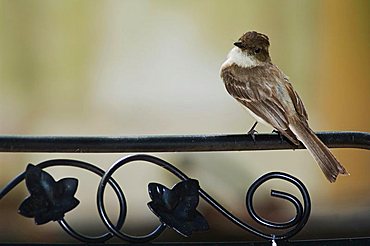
(254, 81)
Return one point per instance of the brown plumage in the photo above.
(252, 79)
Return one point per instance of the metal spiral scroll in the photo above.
(290, 228)
(295, 225)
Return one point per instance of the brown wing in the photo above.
(298, 104)
(261, 96)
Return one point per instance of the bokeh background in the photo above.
(152, 67)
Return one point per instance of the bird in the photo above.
(266, 92)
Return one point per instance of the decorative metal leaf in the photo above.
(177, 207)
(48, 200)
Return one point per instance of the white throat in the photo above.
(240, 58)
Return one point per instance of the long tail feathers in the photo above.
(326, 160)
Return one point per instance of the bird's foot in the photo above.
(294, 145)
(280, 135)
(253, 134)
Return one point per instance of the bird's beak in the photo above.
(238, 44)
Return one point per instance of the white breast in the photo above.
(240, 58)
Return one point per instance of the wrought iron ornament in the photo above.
(176, 208)
(48, 200)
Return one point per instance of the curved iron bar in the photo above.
(63, 223)
(173, 143)
(302, 214)
(297, 223)
(108, 175)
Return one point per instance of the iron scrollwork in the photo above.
(175, 208)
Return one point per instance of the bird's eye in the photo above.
(257, 50)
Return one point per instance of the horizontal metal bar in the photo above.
(172, 143)
(327, 242)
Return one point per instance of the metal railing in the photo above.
(176, 208)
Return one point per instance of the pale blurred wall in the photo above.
(140, 67)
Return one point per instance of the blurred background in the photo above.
(122, 68)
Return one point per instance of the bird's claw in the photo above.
(253, 133)
(280, 135)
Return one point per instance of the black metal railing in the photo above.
(173, 143)
(176, 208)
